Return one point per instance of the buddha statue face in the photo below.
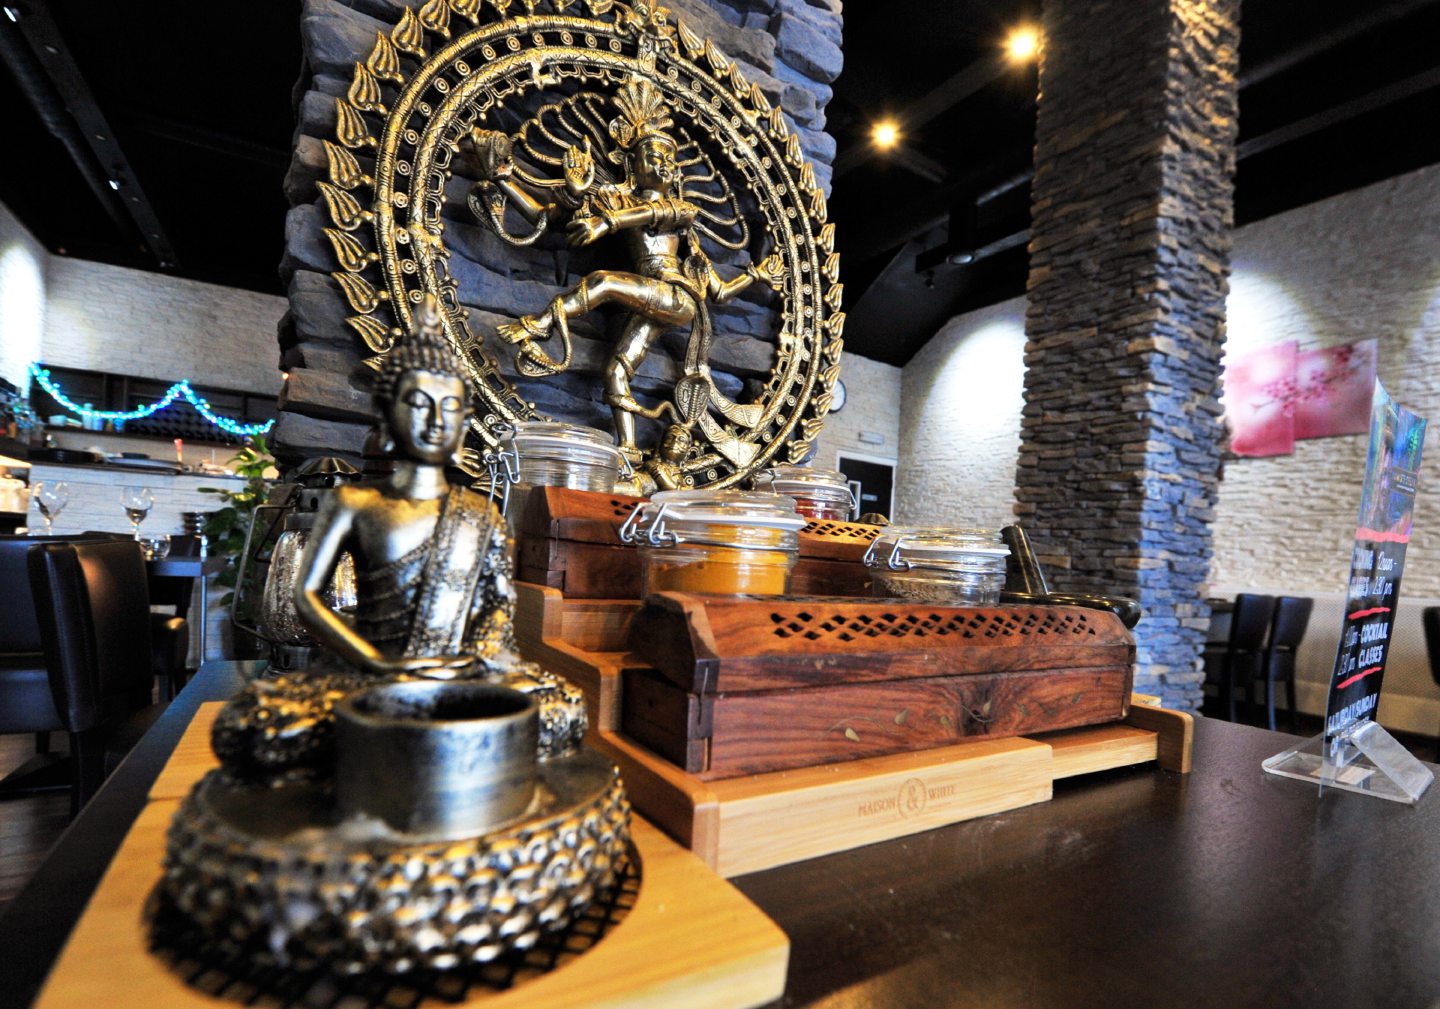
(427, 416)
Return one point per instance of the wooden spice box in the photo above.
(570, 540)
(757, 821)
(745, 685)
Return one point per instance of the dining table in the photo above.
(1224, 887)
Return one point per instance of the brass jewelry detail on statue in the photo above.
(629, 124)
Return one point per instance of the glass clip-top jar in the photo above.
(960, 567)
(722, 542)
(543, 453)
(823, 494)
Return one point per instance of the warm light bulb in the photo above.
(885, 134)
(1022, 44)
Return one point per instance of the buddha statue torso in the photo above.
(434, 597)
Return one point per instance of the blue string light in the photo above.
(180, 388)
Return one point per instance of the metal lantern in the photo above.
(291, 509)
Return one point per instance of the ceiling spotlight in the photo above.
(885, 134)
(13, 13)
(114, 183)
(1022, 44)
(960, 258)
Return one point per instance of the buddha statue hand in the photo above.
(562, 706)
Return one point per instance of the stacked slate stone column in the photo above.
(1129, 265)
(790, 48)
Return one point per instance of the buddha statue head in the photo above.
(421, 393)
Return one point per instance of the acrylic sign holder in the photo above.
(1364, 758)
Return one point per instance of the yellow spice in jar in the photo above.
(719, 571)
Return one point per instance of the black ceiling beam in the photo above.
(932, 208)
(933, 103)
(194, 135)
(1335, 115)
(36, 86)
(55, 60)
(925, 216)
(949, 255)
(1373, 101)
(1361, 21)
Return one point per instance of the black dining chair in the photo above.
(1430, 620)
(26, 703)
(1243, 660)
(1287, 630)
(103, 649)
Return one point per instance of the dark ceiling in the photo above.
(192, 102)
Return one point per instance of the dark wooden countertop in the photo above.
(1227, 887)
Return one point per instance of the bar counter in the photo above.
(1227, 887)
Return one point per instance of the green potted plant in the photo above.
(225, 528)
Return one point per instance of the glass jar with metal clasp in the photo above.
(961, 567)
(543, 453)
(824, 494)
(723, 542)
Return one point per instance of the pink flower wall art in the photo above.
(1260, 392)
(1333, 390)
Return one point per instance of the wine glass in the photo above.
(50, 497)
(137, 502)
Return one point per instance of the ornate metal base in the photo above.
(285, 721)
(272, 872)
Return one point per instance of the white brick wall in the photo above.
(23, 265)
(1359, 265)
(94, 504)
(150, 325)
(960, 421)
(80, 314)
(872, 398)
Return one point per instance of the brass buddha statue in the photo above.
(417, 798)
(433, 581)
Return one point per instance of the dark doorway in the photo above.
(872, 480)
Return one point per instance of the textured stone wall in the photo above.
(872, 408)
(150, 325)
(960, 421)
(23, 263)
(1360, 265)
(82, 314)
(790, 48)
(1131, 208)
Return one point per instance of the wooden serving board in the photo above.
(584, 640)
(690, 939)
(746, 824)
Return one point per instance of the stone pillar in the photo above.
(790, 48)
(1129, 264)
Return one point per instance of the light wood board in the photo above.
(745, 824)
(690, 939)
(1098, 748)
(191, 758)
(582, 640)
(756, 822)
